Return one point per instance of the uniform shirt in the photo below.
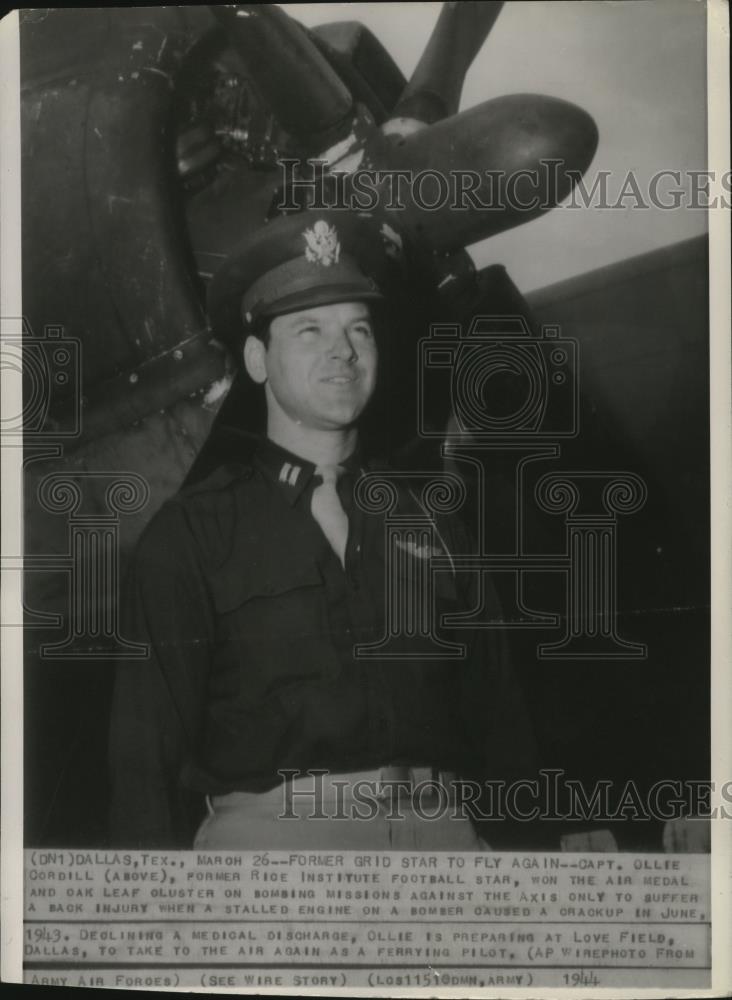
(251, 622)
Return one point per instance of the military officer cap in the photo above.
(311, 258)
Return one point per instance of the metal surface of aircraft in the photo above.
(150, 141)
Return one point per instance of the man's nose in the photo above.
(341, 345)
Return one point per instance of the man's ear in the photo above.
(254, 353)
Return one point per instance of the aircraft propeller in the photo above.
(526, 151)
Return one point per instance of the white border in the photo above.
(11, 401)
(720, 427)
(11, 870)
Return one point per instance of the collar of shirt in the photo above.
(292, 473)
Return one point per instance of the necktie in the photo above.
(328, 511)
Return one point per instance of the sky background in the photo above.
(637, 66)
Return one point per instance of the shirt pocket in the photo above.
(272, 629)
(419, 598)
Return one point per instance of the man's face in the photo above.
(320, 364)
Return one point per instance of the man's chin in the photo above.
(341, 413)
(338, 419)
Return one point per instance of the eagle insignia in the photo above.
(322, 244)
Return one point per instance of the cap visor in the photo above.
(322, 295)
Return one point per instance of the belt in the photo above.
(394, 779)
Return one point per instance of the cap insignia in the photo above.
(322, 245)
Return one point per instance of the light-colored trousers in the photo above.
(349, 812)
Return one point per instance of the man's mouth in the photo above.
(339, 379)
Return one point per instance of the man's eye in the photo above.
(364, 330)
(309, 329)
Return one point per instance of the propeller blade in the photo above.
(524, 153)
(434, 90)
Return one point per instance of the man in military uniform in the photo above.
(256, 588)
